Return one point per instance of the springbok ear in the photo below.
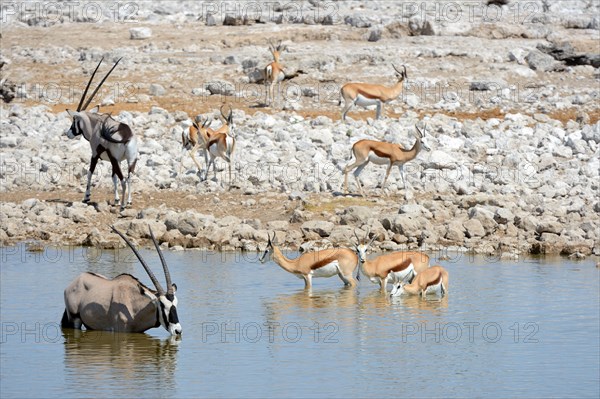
(94, 110)
(174, 287)
(195, 125)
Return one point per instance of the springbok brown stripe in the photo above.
(379, 153)
(403, 265)
(367, 95)
(436, 281)
(322, 262)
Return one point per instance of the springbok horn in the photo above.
(100, 85)
(405, 73)
(228, 117)
(357, 239)
(372, 239)
(164, 263)
(419, 131)
(206, 122)
(159, 289)
(88, 85)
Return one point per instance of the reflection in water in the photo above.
(287, 305)
(416, 305)
(123, 361)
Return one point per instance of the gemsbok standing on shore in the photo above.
(393, 267)
(122, 304)
(109, 139)
(366, 94)
(383, 153)
(274, 72)
(324, 263)
(433, 281)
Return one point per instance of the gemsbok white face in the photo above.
(122, 304)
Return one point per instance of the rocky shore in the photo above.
(511, 109)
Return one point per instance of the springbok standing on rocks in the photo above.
(394, 267)
(122, 304)
(324, 263)
(431, 281)
(109, 139)
(274, 72)
(194, 139)
(383, 153)
(221, 144)
(366, 94)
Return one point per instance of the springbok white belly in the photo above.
(377, 160)
(329, 270)
(435, 289)
(280, 77)
(396, 277)
(365, 102)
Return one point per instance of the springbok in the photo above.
(199, 135)
(383, 153)
(324, 263)
(274, 72)
(431, 281)
(221, 144)
(393, 267)
(122, 304)
(109, 139)
(366, 94)
(193, 139)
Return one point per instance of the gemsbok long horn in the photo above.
(159, 288)
(164, 263)
(88, 85)
(101, 82)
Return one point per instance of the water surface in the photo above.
(527, 328)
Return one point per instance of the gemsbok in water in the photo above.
(109, 139)
(122, 304)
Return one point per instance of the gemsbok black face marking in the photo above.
(122, 304)
(109, 139)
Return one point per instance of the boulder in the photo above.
(321, 227)
(474, 228)
(140, 33)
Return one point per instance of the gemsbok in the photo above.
(122, 304)
(431, 281)
(109, 139)
(366, 94)
(274, 72)
(383, 153)
(392, 267)
(323, 263)
(221, 144)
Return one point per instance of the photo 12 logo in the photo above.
(46, 13)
